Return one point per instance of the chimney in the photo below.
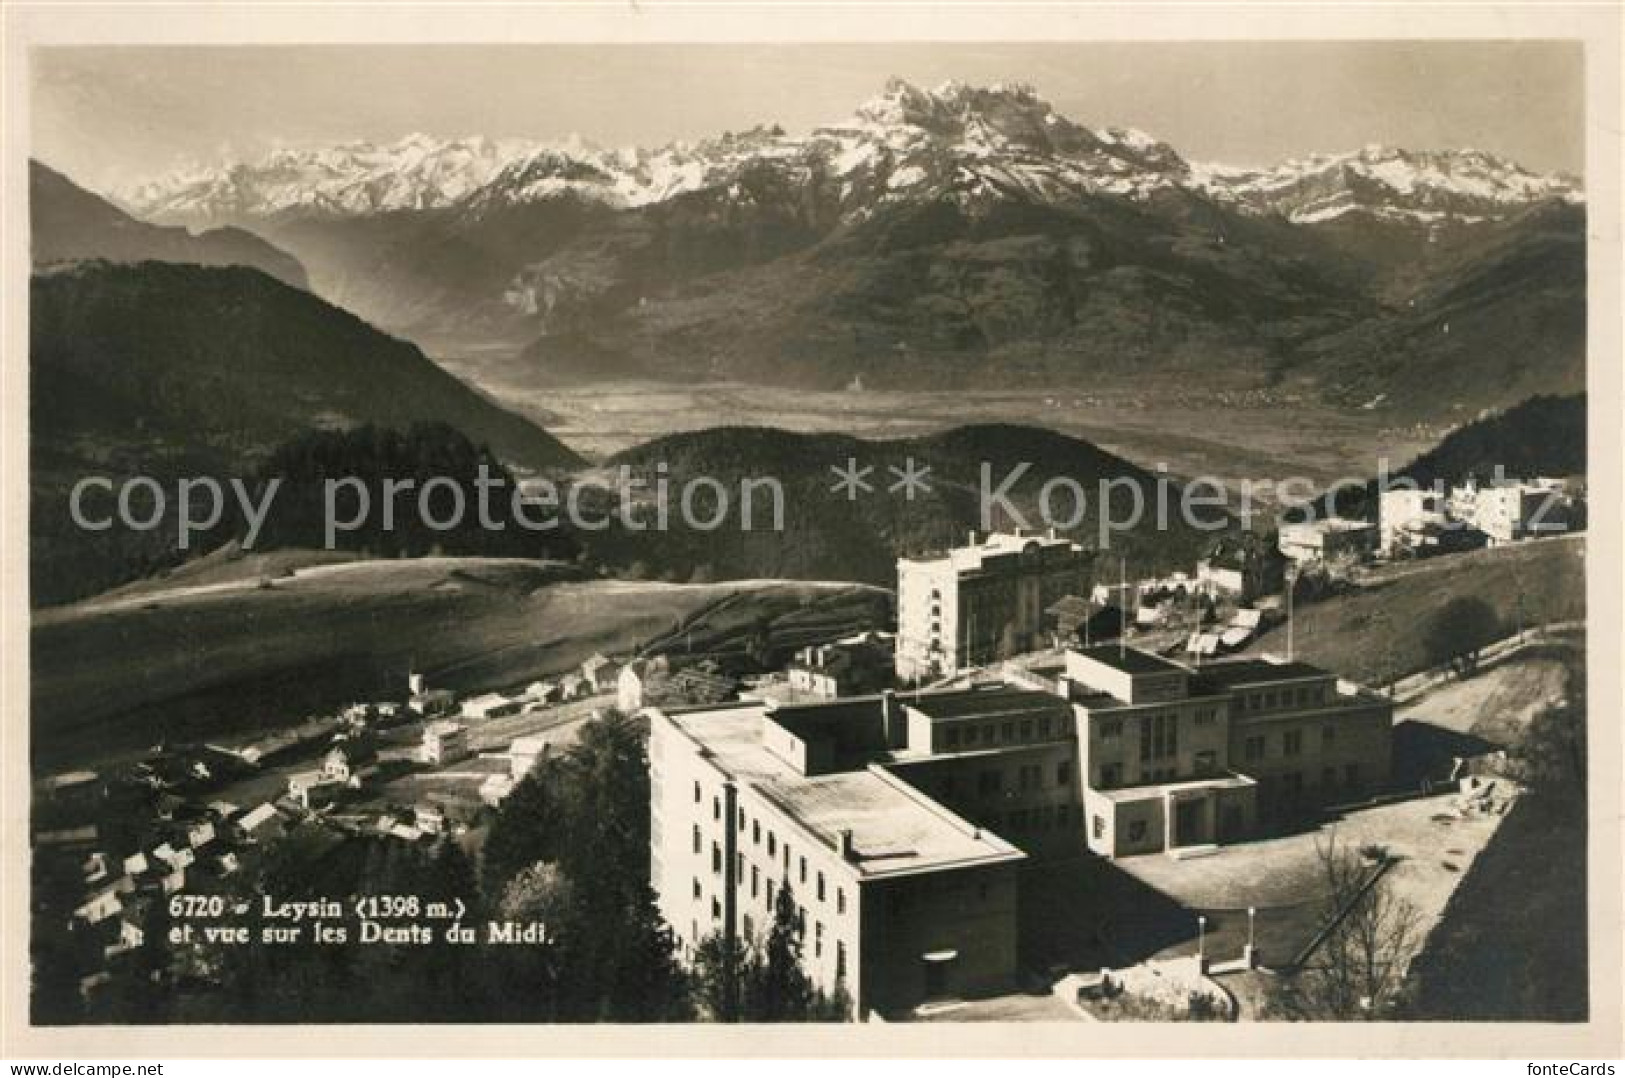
(971, 539)
(414, 682)
(843, 843)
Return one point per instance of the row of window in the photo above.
(990, 781)
(970, 736)
(1256, 747)
(1270, 699)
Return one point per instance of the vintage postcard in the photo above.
(1082, 530)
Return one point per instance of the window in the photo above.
(1351, 776)
(1043, 727)
(772, 845)
(696, 887)
(840, 958)
(1328, 736)
(755, 881)
(1254, 748)
(698, 842)
(716, 808)
(1098, 826)
(1063, 772)
(1206, 762)
(840, 900)
(716, 909)
(803, 870)
(768, 892)
(716, 858)
(1205, 716)
(696, 793)
(1159, 736)
(951, 737)
(1111, 776)
(1008, 731)
(1136, 831)
(987, 734)
(818, 939)
(756, 833)
(1269, 698)
(741, 819)
(1292, 743)
(1111, 729)
(820, 887)
(1026, 729)
(739, 867)
(750, 926)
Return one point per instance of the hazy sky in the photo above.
(108, 115)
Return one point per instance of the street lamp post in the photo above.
(1201, 943)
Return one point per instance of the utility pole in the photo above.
(1122, 607)
(1291, 586)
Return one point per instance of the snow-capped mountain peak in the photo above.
(1386, 182)
(972, 145)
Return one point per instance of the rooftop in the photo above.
(895, 829)
(1131, 660)
(971, 556)
(986, 703)
(1229, 673)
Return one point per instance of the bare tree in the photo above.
(1368, 938)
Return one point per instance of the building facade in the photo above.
(1327, 540)
(899, 820)
(981, 602)
(1174, 758)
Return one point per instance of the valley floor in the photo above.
(1225, 433)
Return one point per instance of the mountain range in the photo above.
(968, 236)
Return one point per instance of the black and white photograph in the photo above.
(1080, 534)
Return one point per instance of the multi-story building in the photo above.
(981, 602)
(1326, 540)
(1404, 513)
(898, 898)
(1173, 757)
(898, 821)
(1509, 512)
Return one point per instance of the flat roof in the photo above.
(987, 703)
(1162, 789)
(1131, 660)
(895, 828)
(1229, 673)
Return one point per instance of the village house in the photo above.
(491, 705)
(444, 742)
(351, 759)
(543, 692)
(632, 686)
(312, 789)
(262, 823)
(849, 667)
(1331, 539)
(600, 673)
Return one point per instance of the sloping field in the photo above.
(230, 655)
(1378, 633)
